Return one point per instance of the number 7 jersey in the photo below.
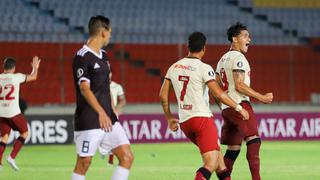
(9, 94)
(189, 78)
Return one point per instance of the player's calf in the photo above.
(253, 148)
(17, 145)
(82, 165)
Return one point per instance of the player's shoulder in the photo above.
(237, 55)
(82, 52)
(114, 84)
(203, 65)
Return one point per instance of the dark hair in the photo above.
(235, 30)
(196, 41)
(9, 63)
(97, 22)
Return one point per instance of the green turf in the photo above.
(279, 160)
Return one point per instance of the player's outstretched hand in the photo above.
(244, 114)
(35, 62)
(105, 122)
(173, 124)
(267, 98)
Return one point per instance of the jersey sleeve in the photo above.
(207, 73)
(21, 78)
(120, 91)
(240, 63)
(218, 67)
(81, 69)
(169, 72)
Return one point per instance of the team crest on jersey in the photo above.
(211, 73)
(239, 64)
(79, 72)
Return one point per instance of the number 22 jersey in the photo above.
(189, 77)
(9, 93)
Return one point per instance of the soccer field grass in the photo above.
(279, 160)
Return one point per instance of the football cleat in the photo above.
(12, 163)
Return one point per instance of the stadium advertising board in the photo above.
(49, 129)
(150, 128)
(147, 128)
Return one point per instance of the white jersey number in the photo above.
(8, 95)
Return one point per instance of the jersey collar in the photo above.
(94, 53)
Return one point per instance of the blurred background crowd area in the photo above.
(149, 35)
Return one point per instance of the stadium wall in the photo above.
(290, 72)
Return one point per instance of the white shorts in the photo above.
(88, 141)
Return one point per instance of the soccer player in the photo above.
(10, 113)
(191, 79)
(118, 100)
(234, 76)
(96, 124)
(118, 96)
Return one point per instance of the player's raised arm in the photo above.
(239, 76)
(164, 98)
(225, 99)
(104, 119)
(35, 66)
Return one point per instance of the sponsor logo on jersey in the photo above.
(79, 72)
(180, 66)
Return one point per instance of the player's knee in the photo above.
(128, 158)
(253, 147)
(4, 138)
(211, 161)
(24, 134)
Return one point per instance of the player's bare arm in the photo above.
(218, 79)
(121, 102)
(164, 97)
(225, 99)
(239, 76)
(104, 119)
(35, 66)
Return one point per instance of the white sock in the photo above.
(120, 173)
(76, 176)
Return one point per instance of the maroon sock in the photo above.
(253, 147)
(2, 148)
(18, 143)
(223, 174)
(229, 158)
(110, 160)
(203, 174)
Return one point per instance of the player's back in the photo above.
(9, 93)
(230, 62)
(189, 77)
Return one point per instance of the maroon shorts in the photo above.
(235, 129)
(17, 123)
(202, 131)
